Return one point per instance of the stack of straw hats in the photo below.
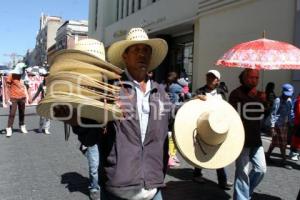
(79, 79)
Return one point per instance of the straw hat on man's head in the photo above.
(138, 36)
(209, 134)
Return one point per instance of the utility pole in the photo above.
(13, 56)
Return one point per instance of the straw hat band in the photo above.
(57, 87)
(80, 79)
(83, 68)
(88, 108)
(69, 85)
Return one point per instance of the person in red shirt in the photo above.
(295, 145)
(17, 94)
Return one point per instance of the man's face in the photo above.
(251, 78)
(212, 81)
(137, 58)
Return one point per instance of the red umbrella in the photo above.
(262, 54)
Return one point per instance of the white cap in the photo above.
(216, 73)
(18, 69)
(43, 71)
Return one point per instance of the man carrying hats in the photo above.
(249, 103)
(17, 94)
(134, 149)
(212, 90)
(282, 116)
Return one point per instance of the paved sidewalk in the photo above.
(45, 167)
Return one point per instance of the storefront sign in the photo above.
(119, 33)
(147, 24)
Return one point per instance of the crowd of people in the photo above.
(17, 95)
(129, 158)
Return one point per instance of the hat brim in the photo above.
(87, 108)
(159, 52)
(82, 56)
(82, 80)
(63, 64)
(213, 157)
(57, 87)
(16, 72)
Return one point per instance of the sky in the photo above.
(19, 21)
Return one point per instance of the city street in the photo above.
(45, 167)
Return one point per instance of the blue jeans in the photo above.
(245, 180)
(108, 196)
(92, 154)
(44, 123)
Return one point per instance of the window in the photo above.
(132, 6)
(122, 9)
(118, 9)
(139, 4)
(153, 1)
(127, 7)
(96, 15)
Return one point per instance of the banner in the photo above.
(4, 92)
(33, 82)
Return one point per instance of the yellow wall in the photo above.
(218, 31)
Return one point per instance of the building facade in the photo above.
(30, 57)
(68, 34)
(198, 32)
(46, 37)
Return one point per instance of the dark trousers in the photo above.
(20, 104)
(221, 173)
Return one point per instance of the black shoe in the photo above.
(95, 195)
(226, 186)
(269, 161)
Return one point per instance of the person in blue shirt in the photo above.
(282, 116)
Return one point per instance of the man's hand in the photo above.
(201, 97)
(64, 111)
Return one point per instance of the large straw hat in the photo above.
(93, 98)
(86, 107)
(86, 50)
(138, 36)
(209, 134)
(71, 65)
(78, 78)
